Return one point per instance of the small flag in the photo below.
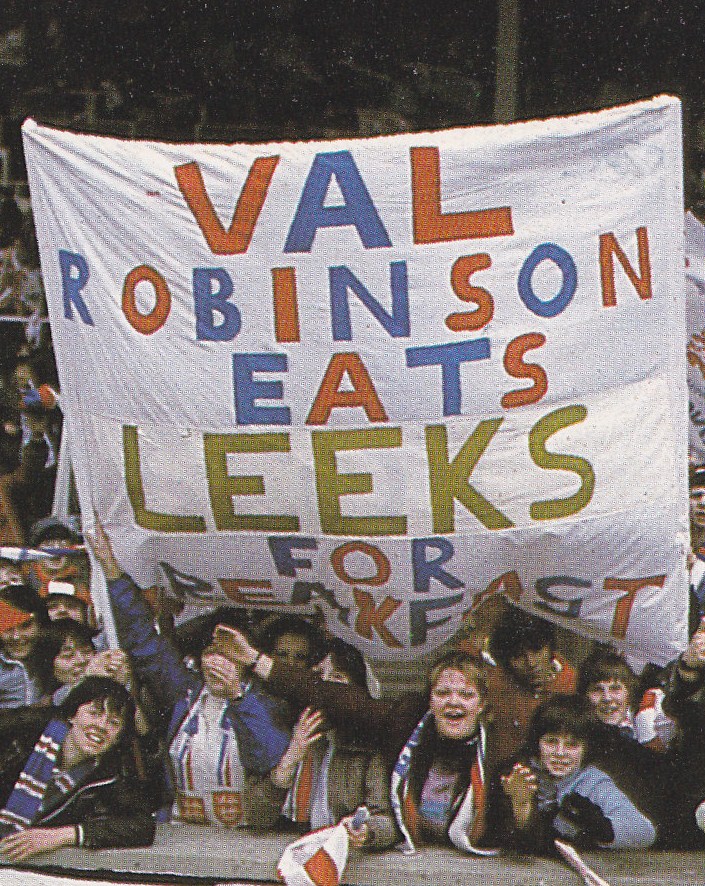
(317, 859)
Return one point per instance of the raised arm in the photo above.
(155, 658)
(385, 722)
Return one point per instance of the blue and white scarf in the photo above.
(460, 831)
(25, 802)
(183, 742)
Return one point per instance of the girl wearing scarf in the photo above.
(62, 782)
(326, 774)
(438, 783)
(222, 728)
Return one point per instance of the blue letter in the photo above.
(419, 624)
(425, 570)
(206, 301)
(281, 548)
(571, 607)
(449, 357)
(358, 209)
(342, 279)
(548, 252)
(247, 390)
(73, 284)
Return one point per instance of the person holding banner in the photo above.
(62, 781)
(326, 774)
(222, 728)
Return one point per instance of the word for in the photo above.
(367, 616)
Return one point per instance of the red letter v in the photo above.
(236, 239)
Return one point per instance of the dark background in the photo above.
(258, 70)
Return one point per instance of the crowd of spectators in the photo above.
(248, 720)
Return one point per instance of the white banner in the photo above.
(383, 376)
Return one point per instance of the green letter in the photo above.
(331, 485)
(541, 431)
(449, 480)
(135, 491)
(222, 486)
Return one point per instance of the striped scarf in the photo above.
(25, 802)
(468, 821)
(307, 799)
(182, 747)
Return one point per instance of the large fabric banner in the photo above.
(383, 377)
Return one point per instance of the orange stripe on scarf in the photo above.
(477, 828)
(304, 786)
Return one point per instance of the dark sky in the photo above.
(289, 66)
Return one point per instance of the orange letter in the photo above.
(430, 225)
(608, 248)
(515, 366)
(286, 308)
(156, 318)
(463, 269)
(236, 239)
(369, 617)
(508, 583)
(383, 569)
(329, 396)
(624, 605)
(233, 588)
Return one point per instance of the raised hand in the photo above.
(307, 731)
(520, 786)
(222, 676)
(113, 663)
(99, 543)
(358, 836)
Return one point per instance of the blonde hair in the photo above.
(459, 661)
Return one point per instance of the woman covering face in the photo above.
(71, 756)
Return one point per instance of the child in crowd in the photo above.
(325, 774)
(25, 666)
(641, 769)
(552, 791)
(611, 686)
(71, 757)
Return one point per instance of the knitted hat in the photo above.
(18, 603)
(52, 528)
(12, 616)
